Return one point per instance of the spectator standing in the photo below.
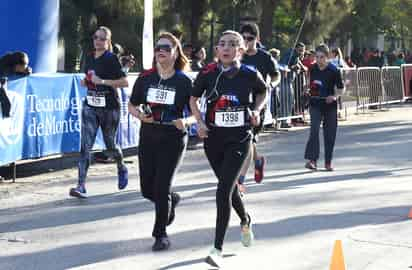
(326, 85)
(400, 60)
(198, 58)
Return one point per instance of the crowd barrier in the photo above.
(374, 87)
(290, 96)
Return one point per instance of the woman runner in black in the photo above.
(325, 86)
(235, 95)
(101, 108)
(159, 98)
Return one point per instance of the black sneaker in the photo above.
(161, 243)
(78, 192)
(175, 202)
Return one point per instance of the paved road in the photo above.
(298, 215)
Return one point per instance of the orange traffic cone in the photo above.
(410, 214)
(337, 263)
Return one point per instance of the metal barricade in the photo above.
(370, 92)
(349, 97)
(290, 96)
(392, 84)
(300, 86)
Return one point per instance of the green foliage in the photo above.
(279, 20)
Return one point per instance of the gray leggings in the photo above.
(92, 119)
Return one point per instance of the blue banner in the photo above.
(46, 118)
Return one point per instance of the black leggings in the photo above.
(226, 158)
(161, 150)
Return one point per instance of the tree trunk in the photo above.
(266, 24)
(198, 11)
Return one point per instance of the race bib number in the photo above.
(230, 118)
(96, 100)
(161, 96)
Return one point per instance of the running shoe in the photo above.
(328, 166)
(123, 178)
(175, 201)
(215, 258)
(246, 233)
(259, 167)
(78, 192)
(161, 243)
(311, 165)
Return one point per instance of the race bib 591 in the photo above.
(161, 96)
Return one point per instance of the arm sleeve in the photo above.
(199, 85)
(260, 85)
(86, 64)
(188, 89)
(117, 71)
(272, 67)
(137, 93)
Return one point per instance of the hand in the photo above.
(131, 63)
(180, 124)
(254, 118)
(330, 99)
(83, 82)
(145, 118)
(28, 70)
(202, 130)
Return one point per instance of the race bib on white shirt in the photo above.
(230, 118)
(95, 99)
(161, 96)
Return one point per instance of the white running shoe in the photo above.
(246, 233)
(214, 258)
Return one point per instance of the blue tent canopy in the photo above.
(31, 26)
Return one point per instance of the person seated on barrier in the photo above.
(309, 60)
(101, 108)
(326, 85)
(12, 66)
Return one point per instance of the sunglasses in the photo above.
(96, 37)
(249, 38)
(163, 47)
